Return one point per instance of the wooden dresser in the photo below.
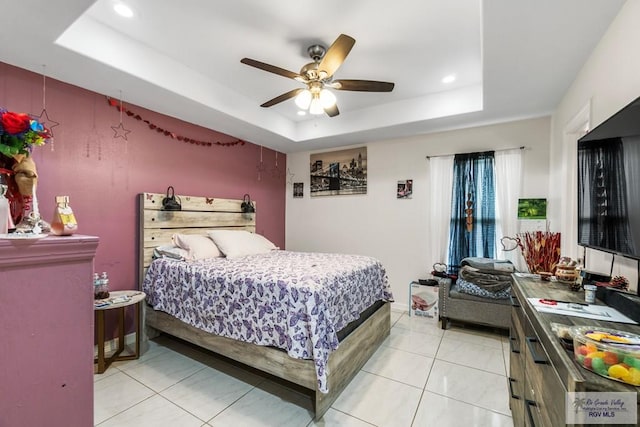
(46, 331)
(541, 369)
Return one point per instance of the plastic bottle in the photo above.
(101, 286)
(105, 280)
(105, 284)
(64, 221)
(96, 286)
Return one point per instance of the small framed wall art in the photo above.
(532, 208)
(298, 190)
(405, 189)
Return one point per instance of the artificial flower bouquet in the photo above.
(540, 250)
(19, 133)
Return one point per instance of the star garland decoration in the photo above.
(261, 168)
(112, 102)
(43, 118)
(47, 122)
(93, 138)
(120, 131)
(276, 172)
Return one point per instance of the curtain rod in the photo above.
(502, 149)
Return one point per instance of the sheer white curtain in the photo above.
(574, 130)
(508, 167)
(440, 184)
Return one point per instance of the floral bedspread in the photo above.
(296, 301)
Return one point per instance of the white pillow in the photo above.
(199, 247)
(266, 242)
(170, 251)
(238, 243)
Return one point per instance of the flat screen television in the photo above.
(609, 184)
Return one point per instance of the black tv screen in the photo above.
(609, 184)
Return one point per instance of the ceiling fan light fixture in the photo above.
(123, 10)
(449, 79)
(314, 98)
(327, 98)
(303, 99)
(316, 106)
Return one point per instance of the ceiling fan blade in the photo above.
(283, 97)
(272, 69)
(332, 111)
(362, 85)
(336, 54)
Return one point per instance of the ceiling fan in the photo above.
(318, 76)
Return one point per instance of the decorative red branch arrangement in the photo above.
(114, 103)
(540, 249)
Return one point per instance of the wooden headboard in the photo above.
(198, 215)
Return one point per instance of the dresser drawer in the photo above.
(544, 392)
(532, 416)
(516, 368)
(516, 309)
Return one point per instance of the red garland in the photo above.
(114, 103)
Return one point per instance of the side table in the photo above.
(114, 303)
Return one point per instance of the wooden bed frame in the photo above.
(199, 214)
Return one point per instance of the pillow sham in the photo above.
(170, 251)
(238, 243)
(264, 241)
(198, 247)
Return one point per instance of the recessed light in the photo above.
(302, 113)
(123, 10)
(449, 79)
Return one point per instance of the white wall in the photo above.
(609, 80)
(395, 231)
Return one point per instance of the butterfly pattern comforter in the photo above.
(295, 301)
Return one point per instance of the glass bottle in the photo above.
(64, 221)
(5, 213)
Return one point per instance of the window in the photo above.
(472, 229)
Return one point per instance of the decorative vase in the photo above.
(5, 212)
(26, 179)
(31, 221)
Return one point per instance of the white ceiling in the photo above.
(512, 59)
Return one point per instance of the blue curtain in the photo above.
(473, 203)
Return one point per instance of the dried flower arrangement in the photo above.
(540, 249)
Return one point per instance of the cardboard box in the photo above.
(423, 300)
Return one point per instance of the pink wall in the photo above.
(46, 361)
(102, 175)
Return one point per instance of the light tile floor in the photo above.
(420, 376)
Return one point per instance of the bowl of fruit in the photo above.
(607, 352)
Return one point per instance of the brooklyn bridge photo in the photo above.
(339, 172)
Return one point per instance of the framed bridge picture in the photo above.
(339, 172)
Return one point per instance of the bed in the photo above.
(317, 331)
